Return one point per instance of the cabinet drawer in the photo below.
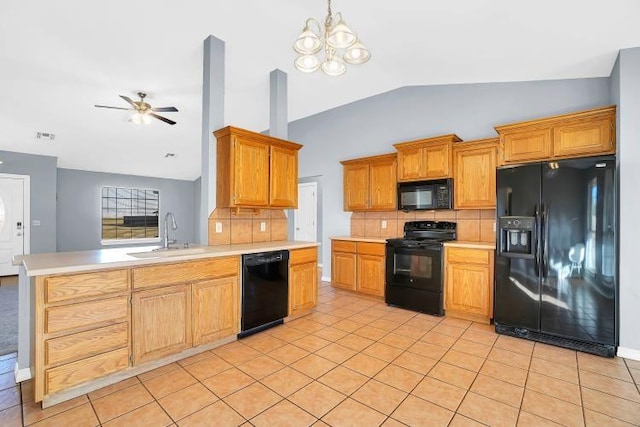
(62, 288)
(300, 256)
(167, 274)
(468, 256)
(85, 314)
(85, 344)
(343, 246)
(75, 373)
(365, 248)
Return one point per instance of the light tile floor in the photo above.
(356, 362)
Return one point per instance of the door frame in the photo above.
(315, 187)
(26, 213)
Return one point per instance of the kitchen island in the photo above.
(92, 318)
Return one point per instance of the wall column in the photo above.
(278, 113)
(212, 119)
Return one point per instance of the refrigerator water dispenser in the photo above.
(517, 236)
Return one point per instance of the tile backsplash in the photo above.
(246, 226)
(474, 225)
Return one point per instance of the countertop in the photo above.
(471, 245)
(362, 239)
(72, 262)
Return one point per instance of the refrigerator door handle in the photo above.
(536, 241)
(543, 242)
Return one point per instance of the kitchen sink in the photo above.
(165, 253)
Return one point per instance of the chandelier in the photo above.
(339, 42)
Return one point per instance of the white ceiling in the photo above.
(59, 58)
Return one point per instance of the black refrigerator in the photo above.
(556, 269)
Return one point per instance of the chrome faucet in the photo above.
(174, 226)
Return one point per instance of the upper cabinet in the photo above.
(426, 158)
(255, 170)
(474, 174)
(370, 183)
(585, 133)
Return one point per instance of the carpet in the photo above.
(8, 318)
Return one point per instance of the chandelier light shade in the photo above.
(338, 42)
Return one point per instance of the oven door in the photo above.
(417, 267)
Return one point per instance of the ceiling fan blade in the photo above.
(126, 98)
(165, 110)
(164, 119)
(113, 108)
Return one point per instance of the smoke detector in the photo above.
(45, 135)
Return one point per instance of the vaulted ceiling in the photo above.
(59, 58)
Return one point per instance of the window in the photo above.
(129, 215)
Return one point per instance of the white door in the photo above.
(12, 223)
(305, 218)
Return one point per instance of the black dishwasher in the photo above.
(265, 291)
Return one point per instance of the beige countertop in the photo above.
(72, 262)
(471, 245)
(362, 239)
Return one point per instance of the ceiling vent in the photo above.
(45, 135)
(169, 155)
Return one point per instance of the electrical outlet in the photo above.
(36, 223)
(263, 226)
(383, 225)
(494, 226)
(218, 227)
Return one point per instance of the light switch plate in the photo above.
(36, 223)
(218, 227)
(263, 226)
(383, 225)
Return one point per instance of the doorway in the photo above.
(305, 218)
(14, 220)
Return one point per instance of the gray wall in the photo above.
(370, 126)
(79, 205)
(627, 74)
(42, 170)
(197, 235)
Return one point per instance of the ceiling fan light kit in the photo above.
(340, 43)
(143, 110)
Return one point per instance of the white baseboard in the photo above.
(22, 374)
(326, 279)
(629, 353)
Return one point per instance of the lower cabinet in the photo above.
(358, 266)
(215, 309)
(303, 280)
(469, 283)
(161, 322)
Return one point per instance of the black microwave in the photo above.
(425, 195)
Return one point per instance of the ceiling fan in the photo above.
(144, 110)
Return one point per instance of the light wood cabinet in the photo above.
(161, 322)
(215, 309)
(81, 328)
(358, 266)
(370, 183)
(255, 170)
(429, 158)
(469, 283)
(303, 280)
(474, 174)
(585, 133)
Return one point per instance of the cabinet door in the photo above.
(584, 138)
(437, 161)
(475, 178)
(251, 173)
(525, 146)
(410, 164)
(356, 187)
(370, 274)
(382, 185)
(468, 288)
(215, 309)
(303, 287)
(161, 322)
(283, 171)
(343, 270)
